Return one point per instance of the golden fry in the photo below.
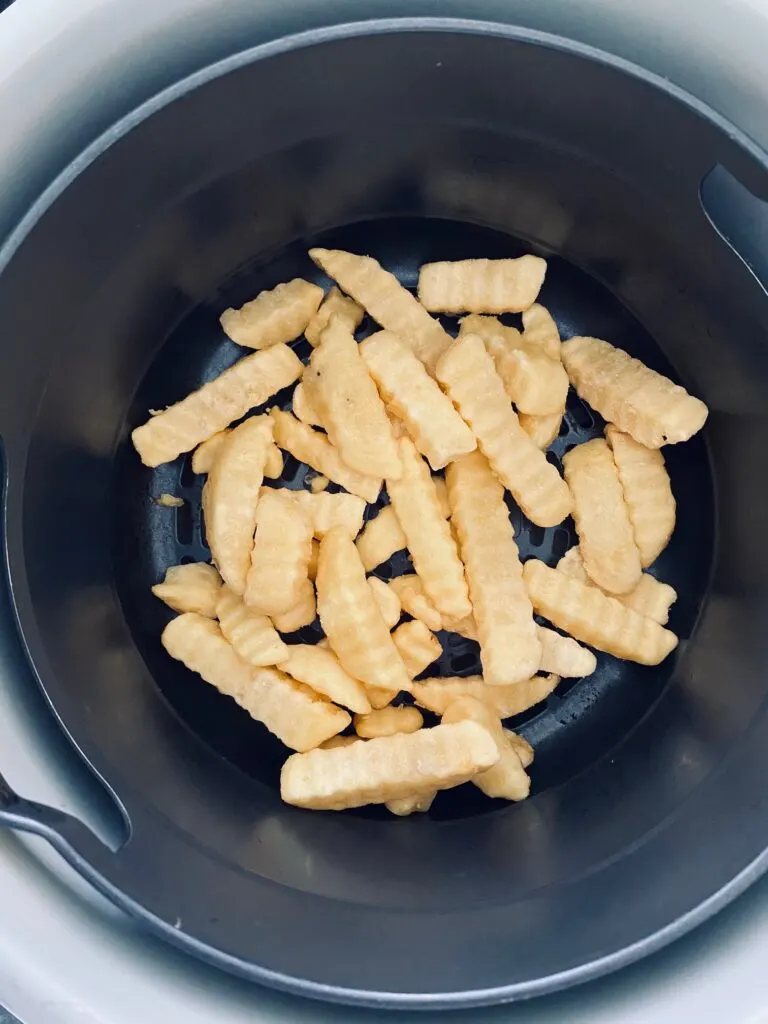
(296, 715)
(328, 510)
(594, 618)
(231, 498)
(278, 578)
(430, 419)
(481, 286)
(522, 746)
(507, 780)
(190, 588)
(388, 768)
(252, 636)
(247, 384)
(339, 741)
(318, 484)
(429, 537)
(350, 616)
(321, 671)
(387, 600)
(418, 646)
(303, 614)
(563, 656)
(510, 651)
(380, 539)
(205, 453)
(273, 465)
(647, 492)
(310, 446)
(410, 591)
(541, 330)
(390, 305)
(639, 401)
(467, 373)
(334, 304)
(275, 316)
(437, 693)
(388, 722)
(304, 408)
(380, 697)
(606, 538)
(419, 803)
(650, 598)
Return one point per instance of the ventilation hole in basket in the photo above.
(560, 543)
(536, 535)
(292, 470)
(186, 560)
(564, 427)
(384, 571)
(581, 416)
(463, 662)
(186, 476)
(184, 524)
(553, 460)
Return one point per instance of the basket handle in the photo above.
(739, 217)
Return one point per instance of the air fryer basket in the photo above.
(647, 806)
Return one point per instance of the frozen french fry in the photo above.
(639, 401)
(190, 588)
(342, 390)
(507, 780)
(522, 746)
(563, 656)
(430, 541)
(303, 407)
(244, 386)
(387, 600)
(387, 301)
(542, 430)
(231, 498)
(310, 446)
(594, 618)
(296, 715)
(322, 671)
(650, 597)
(252, 635)
(510, 651)
(540, 329)
(388, 721)
(334, 304)
(418, 646)
(419, 803)
(273, 465)
(273, 317)
(205, 453)
(647, 492)
(467, 373)
(380, 539)
(302, 614)
(606, 539)
(278, 578)
(481, 286)
(328, 510)
(351, 619)
(411, 395)
(436, 694)
(388, 768)
(414, 601)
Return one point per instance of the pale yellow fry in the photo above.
(540, 329)
(437, 693)
(303, 407)
(328, 510)
(231, 497)
(204, 455)
(390, 305)
(510, 651)
(418, 646)
(387, 722)
(302, 615)
(507, 780)
(247, 384)
(430, 419)
(542, 430)
(339, 741)
(351, 619)
(380, 539)
(563, 656)
(274, 316)
(428, 535)
(481, 286)
(388, 768)
(594, 618)
(321, 670)
(387, 600)
(296, 715)
(419, 803)
(410, 591)
(606, 538)
(650, 597)
(647, 491)
(466, 627)
(312, 567)
(468, 374)
(342, 390)
(442, 496)
(253, 636)
(318, 484)
(379, 697)
(310, 446)
(278, 579)
(639, 401)
(273, 466)
(522, 746)
(334, 304)
(190, 588)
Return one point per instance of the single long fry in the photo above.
(507, 780)
(204, 455)
(252, 636)
(647, 492)
(430, 419)
(650, 597)
(244, 386)
(381, 538)
(303, 614)
(638, 400)
(418, 646)
(296, 715)
(507, 701)
(388, 722)
(275, 316)
(539, 328)
(563, 656)
(190, 588)
(351, 619)
(310, 446)
(429, 537)
(328, 510)
(304, 408)
(414, 601)
(278, 578)
(509, 648)
(388, 768)
(387, 600)
(334, 304)
(390, 305)
(481, 286)
(594, 618)
(606, 538)
(468, 375)
(322, 671)
(231, 497)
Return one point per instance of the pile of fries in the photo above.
(446, 425)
